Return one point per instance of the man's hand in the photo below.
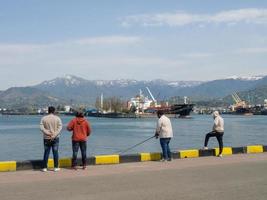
(49, 135)
(52, 136)
(156, 135)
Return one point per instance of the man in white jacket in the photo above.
(165, 133)
(217, 131)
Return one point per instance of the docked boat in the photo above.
(264, 112)
(141, 106)
(243, 111)
(145, 105)
(183, 110)
(179, 110)
(98, 113)
(241, 107)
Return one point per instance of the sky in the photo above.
(125, 39)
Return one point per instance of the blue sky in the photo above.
(123, 39)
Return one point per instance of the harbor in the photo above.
(133, 100)
(142, 106)
(23, 133)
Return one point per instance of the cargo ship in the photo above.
(241, 107)
(183, 110)
(98, 113)
(143, 105)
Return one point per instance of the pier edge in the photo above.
(10, 166)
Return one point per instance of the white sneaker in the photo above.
(205, 148)
(220, 155)
(56, 169)
(44, 170)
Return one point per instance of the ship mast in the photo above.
(101, 101)
(185, 100)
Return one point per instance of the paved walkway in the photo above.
(236, 177)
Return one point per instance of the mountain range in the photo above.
(75, 90)
(18, 97)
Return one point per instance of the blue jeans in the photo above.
(166, 153)
(75, 149)
(48, 144)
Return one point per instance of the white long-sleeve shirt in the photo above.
(164, 127)
(218, 125)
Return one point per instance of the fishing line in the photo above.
(125, 150)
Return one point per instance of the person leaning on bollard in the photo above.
(81, 129)
(165, 133)
(217, 131)
(51, 126)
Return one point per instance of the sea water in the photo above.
(21, 139)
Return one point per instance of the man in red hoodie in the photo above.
(81, 129)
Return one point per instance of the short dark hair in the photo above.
(160, 112)
(79, 113)
(51, 109)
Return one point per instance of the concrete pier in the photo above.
(237, 177)
(6, 166)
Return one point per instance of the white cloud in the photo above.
(249, 15)
(109, 40)
(28, 53)
(118, 61)
(82, 53)
(105, 40)
(197, 55)
(19, 48)
(255, 50)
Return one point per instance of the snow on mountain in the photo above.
(74, 89)
(247, 78)
(68, 80)
(119, 82)
(128, 82)
(184, 84)
(72, 81)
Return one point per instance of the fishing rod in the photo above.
(125, 150)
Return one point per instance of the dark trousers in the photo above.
(218, 135)
(75, 149)
(48, 144)
(166, 153)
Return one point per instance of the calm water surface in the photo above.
(20, 138)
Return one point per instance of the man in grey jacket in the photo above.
(217, 131)
(51, 126)
(165, 133)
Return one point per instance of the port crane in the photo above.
(153, 99)
(239, 103)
